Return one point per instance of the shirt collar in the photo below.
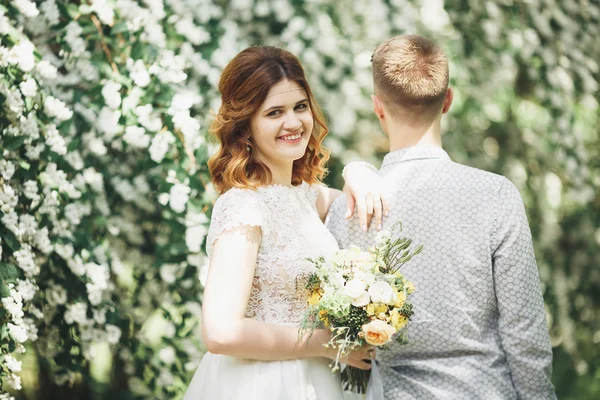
(414, 153)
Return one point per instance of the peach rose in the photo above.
(378, 332)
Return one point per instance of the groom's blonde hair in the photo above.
(410, 75)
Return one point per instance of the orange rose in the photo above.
(378, 332)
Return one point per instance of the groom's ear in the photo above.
(377, 106)
(448, 100)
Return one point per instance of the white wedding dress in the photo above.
(291, 232)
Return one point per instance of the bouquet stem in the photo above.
(355, 380)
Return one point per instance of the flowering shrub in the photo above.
(104, 193)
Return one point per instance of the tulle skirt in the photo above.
(221, 377)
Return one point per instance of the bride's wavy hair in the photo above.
(244, 85)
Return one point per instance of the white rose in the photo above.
(361, 300)
(354, 288)
(382, 292)
(337, 279)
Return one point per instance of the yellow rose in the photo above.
(410, 287)
(378, 333)
(314, 298)
(400, 299)
(371, 309)
(398, 320)
(381, 309)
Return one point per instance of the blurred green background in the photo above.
(526, 80)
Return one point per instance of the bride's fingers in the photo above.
(369, 207)
(377, 212)
(385, 204)
(360, 364)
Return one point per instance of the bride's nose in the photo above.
(292, 123)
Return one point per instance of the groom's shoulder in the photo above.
(471, 176)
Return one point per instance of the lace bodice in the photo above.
(291, 232)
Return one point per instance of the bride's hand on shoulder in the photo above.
(364, 192)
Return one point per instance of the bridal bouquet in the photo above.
(362, 298)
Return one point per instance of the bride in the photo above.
(264, 226)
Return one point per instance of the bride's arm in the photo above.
(226, 330)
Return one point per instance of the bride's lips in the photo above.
(291, 137)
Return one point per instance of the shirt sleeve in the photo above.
(522, 318)
(235, 208)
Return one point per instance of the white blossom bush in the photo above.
(104, 192)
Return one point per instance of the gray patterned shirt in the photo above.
(479, 329)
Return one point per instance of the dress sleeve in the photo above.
(235, 208)
(522, 319)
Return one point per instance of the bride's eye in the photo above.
(274, 113)
(302, 107)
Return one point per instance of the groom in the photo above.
(479, 329)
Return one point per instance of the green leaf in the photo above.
(119, 27)
(9, 272)
(10, 239)
(14, 142)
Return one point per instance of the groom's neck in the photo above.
(404, 135)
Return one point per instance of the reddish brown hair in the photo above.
(244, 85)
(410, 74)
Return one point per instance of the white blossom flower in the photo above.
(108, 123)
(46, 70)
(56, 295)
(28, 87)
(168, 272)
(25, 260)
(104, 10)
(76, 313)
(14, 304)
(7, 169)
(179, 196)
(55, 141)
(148, 118)
(26, 7)
(167, 355)
(195, 230)
(17, 332)
(72, 37)
(14, 380)
(138, 72)
(110, 92)
(113, 334)
(160, 145)
(136, 136)
(12, 363)
(27, 289)
(194, 34)
(57, 109)
(50, 11)
(42, 241)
